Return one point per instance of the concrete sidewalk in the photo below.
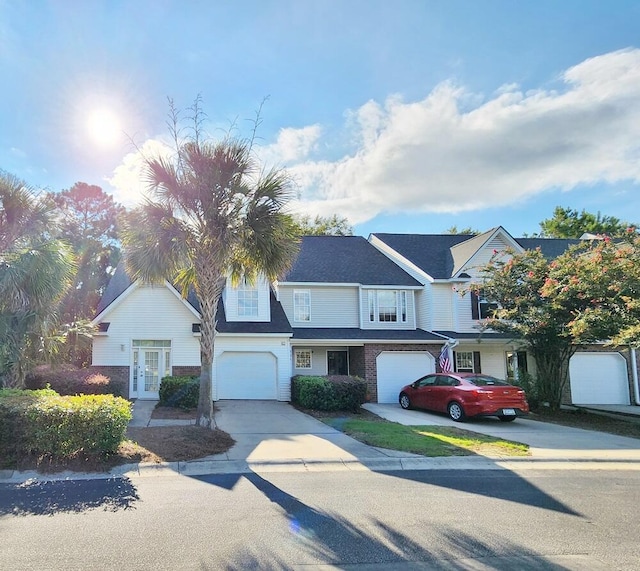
(275, 437)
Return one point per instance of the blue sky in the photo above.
(405, 116)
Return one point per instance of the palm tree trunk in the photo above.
(211, 284)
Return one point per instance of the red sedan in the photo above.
(463, 395)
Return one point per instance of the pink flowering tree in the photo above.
(589, 294)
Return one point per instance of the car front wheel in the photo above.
(405, 401)
(456, 412)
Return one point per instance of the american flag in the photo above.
(443, 359)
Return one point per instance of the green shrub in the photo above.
(13, 421)
(528, 383)
(180, 391)
(328, 393)
(63, 426)
(45, 423)
(70, 380)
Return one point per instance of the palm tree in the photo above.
(35, 272)
(211, 214)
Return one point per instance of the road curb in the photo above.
(217, 467)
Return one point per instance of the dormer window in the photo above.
(387, 306)
(247, 300)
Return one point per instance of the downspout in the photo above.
(634, 375)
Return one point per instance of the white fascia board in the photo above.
(269, 335)
(184, 300)
(321, 284)
(398, 258)
(362, 342)
(115, 303)
(407, 287)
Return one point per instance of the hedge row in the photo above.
(179, 391)
(43, 422)
(70, 380)
(336, 392)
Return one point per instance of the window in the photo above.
(301, 305)
(464, 361)
(303, 359)
(387, 306)
(481, 307)
(247, 301)
(516, 364)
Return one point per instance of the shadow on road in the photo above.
(334, 540)
(50, 498)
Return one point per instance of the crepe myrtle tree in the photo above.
(588, 294)
(212, 212)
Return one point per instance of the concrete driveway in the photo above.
(271, 431)
(546, 440)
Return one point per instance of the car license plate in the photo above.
(508, 412)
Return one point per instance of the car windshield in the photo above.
(485, 380)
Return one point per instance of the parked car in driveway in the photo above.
(464, 395)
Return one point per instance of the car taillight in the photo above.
(482, 392)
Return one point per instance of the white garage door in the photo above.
(399, 368)
(599, 378)
(246, 376)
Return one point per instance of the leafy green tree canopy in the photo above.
(35, 272)
(323, 225)
(569, 223)
(468, 230)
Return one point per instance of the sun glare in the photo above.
(104, 127)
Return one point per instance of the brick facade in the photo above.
(186, 371)
(372, 351)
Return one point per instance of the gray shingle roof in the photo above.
(432, 253)
(345, 259)
(417, 335)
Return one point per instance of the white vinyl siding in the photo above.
(484, 255)
(442, 304)
(149, 312)
(250, 345)
(330, 306)
(237, 305)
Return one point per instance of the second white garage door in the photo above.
(599, 378)
(246, 375)
(399, 368)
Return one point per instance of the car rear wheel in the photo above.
(456, 412)
(507, 418)
(405, 401)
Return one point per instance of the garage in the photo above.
(399, 368)
(599, 378)
(246, 375)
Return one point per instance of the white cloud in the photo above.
(442, 154)
(456, 151)
(128, 179)
(291, 145)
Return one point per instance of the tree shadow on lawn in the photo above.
(67, 496)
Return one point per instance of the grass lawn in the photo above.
(426, 440)
(627, 426)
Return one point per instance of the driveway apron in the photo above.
(267, 431)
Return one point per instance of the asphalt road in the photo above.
(552, 519)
